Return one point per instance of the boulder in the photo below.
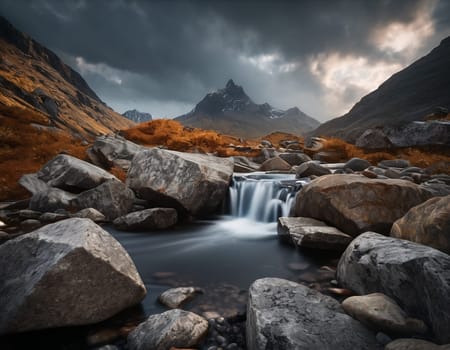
(373, 139)
(311, 233)
(71, 273)
(192, 183)
(32, 183)
(244, 165)
(90, 213)
(275, 163)
(174, 297)
(428, 223)
(310, 168)
(72, 174)
(148, 219)
(30, 224)
(417, 277)
(414, 344)
(111, 198)
(437, 189)
(357, 164)
(285, 315)
(381, 313)
(354, 203)
(294, 158)
(51, 200)
(173, 328)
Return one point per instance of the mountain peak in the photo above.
(230, 84)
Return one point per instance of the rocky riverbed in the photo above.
(389, 221)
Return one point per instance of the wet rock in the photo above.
(394, 163)
(173, 328)
(294, 158)
(72, 174)
(71, 273)
(311, 233)
(417, 277)
(112, 198)
(194, 183)
(29, 214)
(148, 219)
(311, 168)
(381, 313)
(357, 164)
(52, 217)
(90, 213)
(427, 223)
(285, 315)
(275, 163)
(175, 297)
(355, 204)
(51, 200)
(414, 344)
(30, 224)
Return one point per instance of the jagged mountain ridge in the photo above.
(231, 111)
(409, 95)
(34, 79)
(137, 117)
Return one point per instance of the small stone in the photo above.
(175, 297)
(90, 213)
(357, 164)
(30, 224)
(52, 217)
(369, 174)
(383, 338)
(394, 163)
(29, 214)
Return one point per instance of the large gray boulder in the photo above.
(148, 219)
(32, 183)
(417, 277)
(311, 233)
(65, 274)
(173, 328)
(50, 200)
(285, 315)
(294, 158)
(111, 198)
(355, 203)
(72, 174)
(427, 223)
(311, 168)
(192, 183)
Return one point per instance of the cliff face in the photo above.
(35, 81)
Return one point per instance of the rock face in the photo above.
(415, 276)
(355, 203)
(427, 223)
(71, 273)
(311, 168)
(148, 219)
(381, 313)
(111, 198)
(285, 315)
(72, 174)
(174, 297)
(173, 328)
(137, 117)
(311, 233)
(192, 183)
(275, 163)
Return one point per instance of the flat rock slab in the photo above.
(175, 297)
(311, 233)
(285, 315)
(148, 219)
(382, 313)
(417, 277)
(65, 274)
(173, 328)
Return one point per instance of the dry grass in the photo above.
(277, 137)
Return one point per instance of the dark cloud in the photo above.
(163, 56)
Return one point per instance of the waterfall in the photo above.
(262, 197)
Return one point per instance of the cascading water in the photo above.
(262, 197)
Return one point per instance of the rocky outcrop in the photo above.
(148, 219)
(112, 198)
(174, 328)
(355, 203)
(71, 273)
(275, 163)
(175, 297)
(285, 315)
(72, 174)
(311, 233)
(192, 183)
(381, 313)
(415, 276)
(427, 223)
(311, 168)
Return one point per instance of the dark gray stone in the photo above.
(51, 200)
(294, 158)
(357, 164)
(310, 168)
(148, 219)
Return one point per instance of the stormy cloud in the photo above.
(163, 56)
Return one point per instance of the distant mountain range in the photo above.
(34, 79)
(230, 111)
(137, 117)
(409, 95)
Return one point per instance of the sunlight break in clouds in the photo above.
(270, 63)
(105, 71)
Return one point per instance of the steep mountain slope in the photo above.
(33, 80)
(231, 111)
(408, 95)
(137, 117)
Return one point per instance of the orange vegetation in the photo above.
(277, 137)
(119, 173)
(24, 148)
(174, 136)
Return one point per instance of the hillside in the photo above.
(231, 111)
(408, 95)
(34, 79)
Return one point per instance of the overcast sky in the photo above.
(162, 57)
